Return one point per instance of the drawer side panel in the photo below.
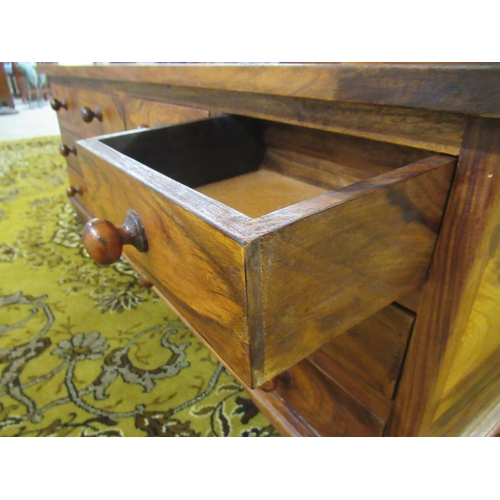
(328, 271)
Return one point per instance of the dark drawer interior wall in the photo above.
(365, 156)
(214, 149)
(329, 160)
(199, 152)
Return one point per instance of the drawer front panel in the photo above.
(81, 194)
(197, 268)
(109, 105)
(367, 359)
(325, 406)
(71, 112)
(141, 113)
(69, 139)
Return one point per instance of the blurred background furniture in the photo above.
(26, 81)
(5, 91)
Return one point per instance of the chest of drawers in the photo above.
(317, 235)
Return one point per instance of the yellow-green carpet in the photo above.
(86, 350)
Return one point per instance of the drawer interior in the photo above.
(257, 167)
(337, 228)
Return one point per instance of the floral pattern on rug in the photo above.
(86, 350)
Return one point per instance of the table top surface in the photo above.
(468, 88)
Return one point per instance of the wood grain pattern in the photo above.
(467, 243)
(196, 267)
(466, 88)
(139, 112)
(368, 357)
(76, 98)
(471, 408)
(423, 106)
(479, 351)
(325, 406)
(305, 168)
(345, 263)
(282, 416)
(361, 155)
(261, 192)
(379, 405)
(431, 130)
(295, 241)
(82, 196)
(367, 271)
(331, 160)
(411, 300)
(69, 138)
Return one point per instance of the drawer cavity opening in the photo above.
(257, 167)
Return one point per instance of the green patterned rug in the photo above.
(86, 350)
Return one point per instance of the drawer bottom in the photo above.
(261, 192)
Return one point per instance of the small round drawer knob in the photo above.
(270, 385)
(104, 241)
(56, 104)
(66, 150)
(144, 281)
(73, 190)
(88, 115)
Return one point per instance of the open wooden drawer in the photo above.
(268, 239)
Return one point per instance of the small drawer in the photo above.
(269, 240)
(141, 113)
(325, 406)
(366, 360)
(88, 113)
(64, 102)
(77, 192)
(68, 149)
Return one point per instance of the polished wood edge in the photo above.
(223, 218)
(367, 396)
(253, 277)
(438, 131)
(237, 226)
(286, 421)
(464, 88)
(448, 297)
(289, 215)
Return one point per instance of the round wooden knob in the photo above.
(270, 385)
(73, 190)
(66, 150)
(144, 281)
(88, 115)
(104, 241)
(56, 104)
